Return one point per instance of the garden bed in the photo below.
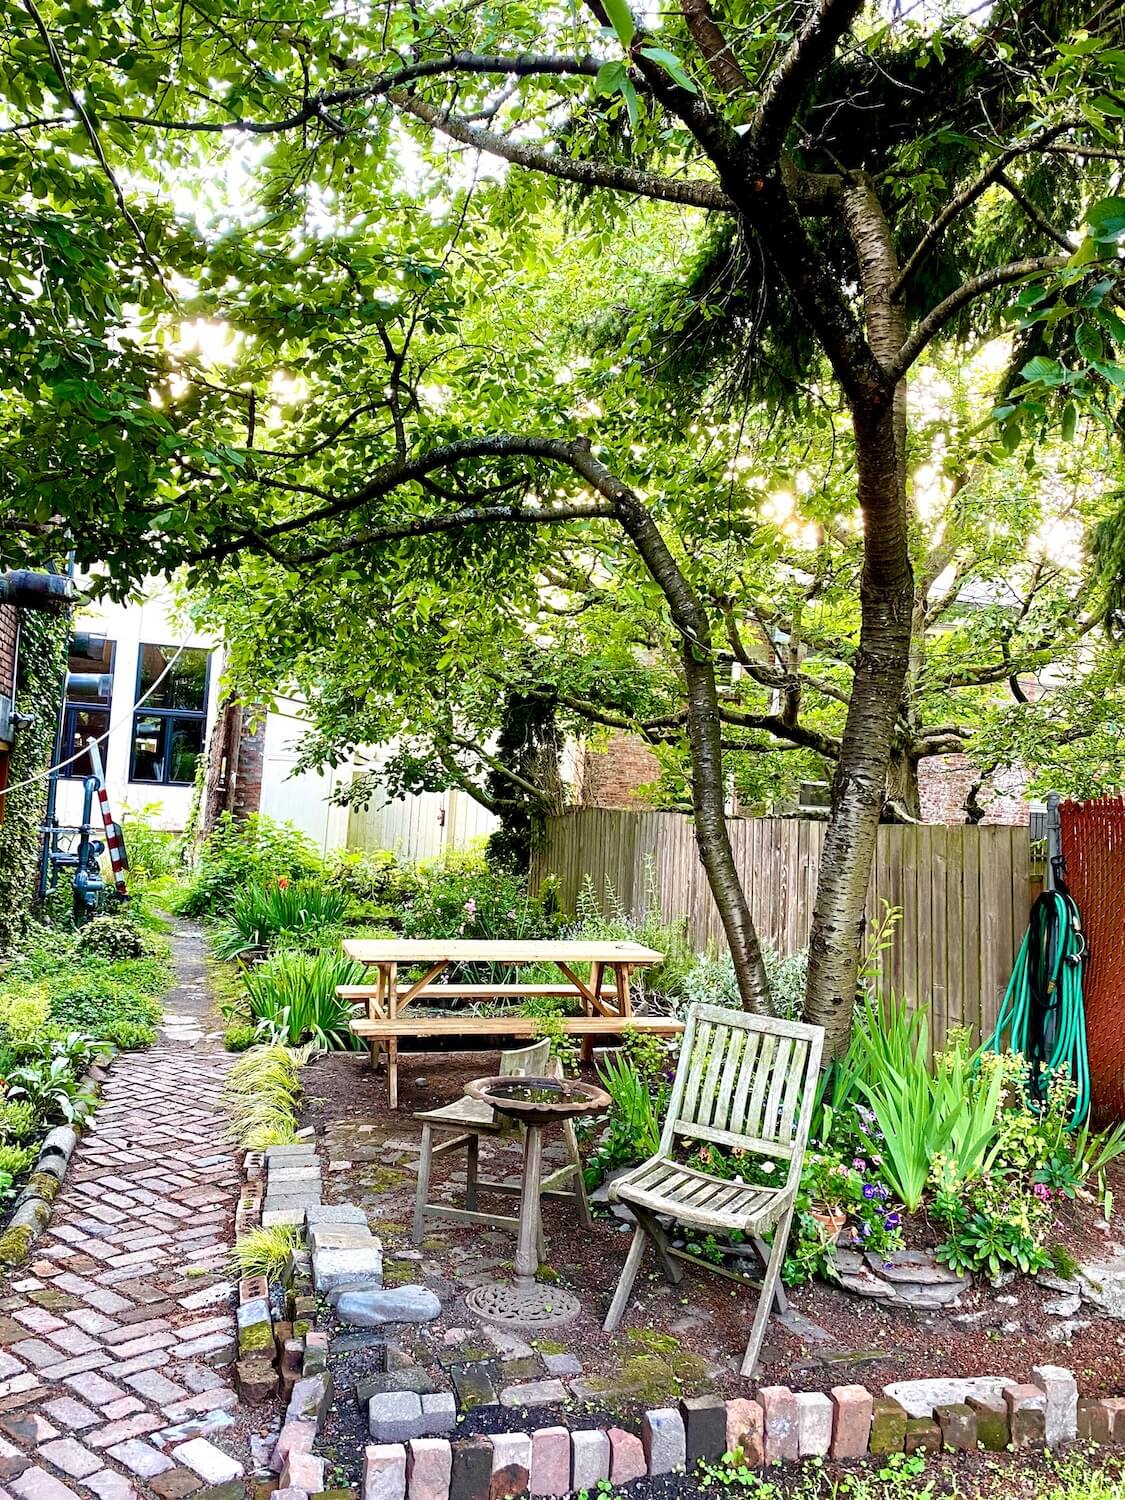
(371, 1153)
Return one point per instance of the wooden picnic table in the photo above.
(389, 997)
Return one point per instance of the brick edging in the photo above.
(32, 1211)
(778, 1425)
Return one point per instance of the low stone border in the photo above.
(990, 1413)
(32, 1212)
(779, 1425)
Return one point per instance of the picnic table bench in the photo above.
(607, 1010)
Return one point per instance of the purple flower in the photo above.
(892, 1221)
(859, 1164)
(869, 1191)
(471, 907)
(511, 916)
(865, 1230)
(1042, 1192)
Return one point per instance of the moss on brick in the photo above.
(256, 1338)
(15, 1244)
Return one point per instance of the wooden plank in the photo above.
(529, 1026)
(971, 928)
(465, 950)
(471, 991)
(954, 902)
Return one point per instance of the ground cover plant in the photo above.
(66, 997)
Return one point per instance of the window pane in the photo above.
(185, 685)
(80, 725)
(148, 747)
(89, 659)
(185, 746)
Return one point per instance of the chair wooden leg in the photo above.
(424, 1161)
(628, 1276)
(766, 1298)
(780, 1300)
(581, 1202)
(673, 1271)
(472, 1172)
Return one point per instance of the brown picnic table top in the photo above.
(387, 1000)
(473, 950)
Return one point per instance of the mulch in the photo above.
(1001, 1331)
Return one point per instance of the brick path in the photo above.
(110, 1336)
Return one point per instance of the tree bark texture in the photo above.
(881, 662)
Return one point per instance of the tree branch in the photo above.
(714, 47)
(969, 195)
(931, 325)
(810, 50)
(695, 193)
(316, 106)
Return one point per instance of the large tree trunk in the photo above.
(886, 601)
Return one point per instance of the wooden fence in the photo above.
(964, 893)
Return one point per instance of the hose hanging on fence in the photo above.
(1043, 1011)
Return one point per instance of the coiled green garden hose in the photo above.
(1043, 1014)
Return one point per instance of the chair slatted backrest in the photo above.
(744, 1081)
(533, 1061)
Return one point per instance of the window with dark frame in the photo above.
(89, 695)
(168, 729)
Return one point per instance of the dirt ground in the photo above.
(831, 1337)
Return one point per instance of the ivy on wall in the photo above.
(39, 682)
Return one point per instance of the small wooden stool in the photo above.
(470, 1119)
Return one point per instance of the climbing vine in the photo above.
(38, 684)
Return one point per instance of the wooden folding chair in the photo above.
(470, 1119)
(745, 1082)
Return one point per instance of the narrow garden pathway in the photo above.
(112, 1333)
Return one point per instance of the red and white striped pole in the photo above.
(111, 840)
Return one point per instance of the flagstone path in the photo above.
(111, 1335)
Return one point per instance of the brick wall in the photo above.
(944, 782)
(614, 776)
(251, 758)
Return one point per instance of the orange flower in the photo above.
(283, 882)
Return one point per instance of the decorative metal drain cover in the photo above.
(530, 1305)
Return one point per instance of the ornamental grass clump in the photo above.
(266, 1252)
(260, 914)
(293, 999)
(261, 1095)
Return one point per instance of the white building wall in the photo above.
(130, 626)
(301, 798)
(418, 827)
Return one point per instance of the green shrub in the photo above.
(113, 938)
(15, 1161)
(293, 999)
(462, 896)
(18, 1120)
(242, 852)
(24, 1009)
(301, 909)
(261, 1095)
(239, 1037)
(129, 1036)
(154, 853)
(371, 879)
